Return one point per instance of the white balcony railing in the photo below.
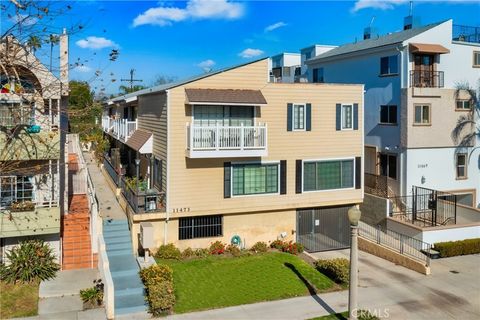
(227, 141)
(122, 129)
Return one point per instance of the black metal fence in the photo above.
(111, 170)
(142, 201)
(426, 79)
(426, 207)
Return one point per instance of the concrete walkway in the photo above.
(390, 291)
(107, 201)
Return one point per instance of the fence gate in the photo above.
(321, 229)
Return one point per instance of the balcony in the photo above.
(121, 129)
(140, 199)
(226, 141)
(426, 79)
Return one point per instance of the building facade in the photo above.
(32, 120)
(413, 103)
(231, 155)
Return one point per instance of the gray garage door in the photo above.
(321, 229)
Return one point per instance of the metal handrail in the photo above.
(426, 79)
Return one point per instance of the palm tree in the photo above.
(54, 39)
(125, 89)
(34, 43)
(462, 134)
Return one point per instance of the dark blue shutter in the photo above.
(358, 173)
(289, 116)
(283, 176)
(338, 116)
(227, 170)
(355, 116)
(308, 117)
(298, 176)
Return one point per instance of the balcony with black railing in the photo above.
(466, 33)
(426, 79)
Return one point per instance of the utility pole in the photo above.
(131, 80)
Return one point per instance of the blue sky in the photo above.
(180, 39)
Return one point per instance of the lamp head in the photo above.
(354, 215)
(137, 161)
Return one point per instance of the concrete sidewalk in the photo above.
(107, 201)
(385, 289)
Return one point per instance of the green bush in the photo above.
(158, 280)
(336, 269)
(217, 247)
(31, 260)
(458, 248)
(202, 253)
(292, 247)
(168, 251)
(156, 273)
(233, 250)
(161, 298)
(259, 247)
(277, 244)
(188, 253)
(93, 295)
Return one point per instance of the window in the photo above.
(476, 58)
(157, 173)
(463, 105)
(422, 114)
(347, 117)
(210, 116)
(388, 114)
(298, 71)
(318, 75)
(15, 189)
(308, 55)
(286, 71)
(254, 179)
(298, 117)
(328, 175)
(200, 227)
(388, 165)
(461, 164)
(388, 65)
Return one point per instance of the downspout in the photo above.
(167, 193)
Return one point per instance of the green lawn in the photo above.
(217, 282)
(18, 300)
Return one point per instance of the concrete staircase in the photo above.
(129, 289)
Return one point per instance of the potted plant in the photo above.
(92, 297)
(22, 206)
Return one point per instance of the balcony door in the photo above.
(423, 70)
(225, 116)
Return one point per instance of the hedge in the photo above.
(336, 269)
(458, 248)
(158, 280)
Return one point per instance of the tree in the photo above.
(34, 43)
(467, 130)
(162, 79)
(83, 111)
(53, 40)
(126, 89)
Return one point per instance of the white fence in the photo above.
(119, 128)
(226, 137)
(104, 268)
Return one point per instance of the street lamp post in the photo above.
(137, 165)
(353, 216)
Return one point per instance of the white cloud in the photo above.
(95, 43)
(250, 53)
(195, 9)
(23, 19)
(83, 69)
(206, 65)
(376, 4)
(275, 26)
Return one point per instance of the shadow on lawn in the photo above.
(311, 289)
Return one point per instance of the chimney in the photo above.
(410, 22)
(64, 62)
(367, 33)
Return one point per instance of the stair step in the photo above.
(123, 233)
(127, 281)
(116, 246)
(130, 291)
(122, 222)
(130, 301)
(123, 273)
(118, 252)
(130, 310)
(118, 239)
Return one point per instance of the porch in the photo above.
(121, 129)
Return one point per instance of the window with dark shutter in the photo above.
(227, 169)
(289, 116)
(298, 176)
(308, 117)
(338, 117)
(358, 173)
(355, 116)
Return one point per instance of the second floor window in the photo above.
(422, 114)
(388, 65)
(461, 164)
(388, 114)
(15, 189)
(347, 117)
(318, 75)
(254, 178)
(298, 117)
(463, 105)
(476, 58)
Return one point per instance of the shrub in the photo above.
(161, 298)
(277, 244)
(202, 253)
(94, 295)
(458, 248)
(31, 260)
(158, 280)
(156, 273)
(259, 247)
(168, 251)
(233, 250)
(217, 247)
(292, 247)
(336, 269)
(188, 253)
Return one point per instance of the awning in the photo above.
(225, 97)
(428, 48)
(141, 141)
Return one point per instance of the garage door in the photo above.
(321, 229)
